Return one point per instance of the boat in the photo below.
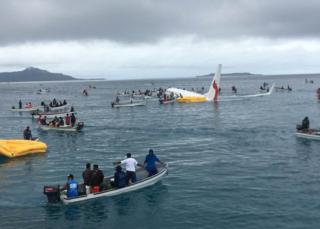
(59, 107)
(311, 134)
(32, 109)
(78, 127)
(162, 101)
(129, 103)
(51, 115)
(43, 91)
(55, 194)
(17, 147)
(283, 88)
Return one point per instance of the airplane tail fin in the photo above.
(213, 93)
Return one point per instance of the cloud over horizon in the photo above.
(157, 38)
(143, 21)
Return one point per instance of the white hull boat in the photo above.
(26, 109)
(65, 128)
(59, 108)
(313, 135)
(143, 181)
(167, 101)
(129, 104)
(51, 115)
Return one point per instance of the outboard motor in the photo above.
(52, 193)
(80, 125)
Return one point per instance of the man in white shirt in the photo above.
(130, 164)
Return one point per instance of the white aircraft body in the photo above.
(184, 96)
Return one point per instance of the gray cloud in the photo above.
(151, 20)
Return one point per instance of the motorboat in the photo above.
(51, 115)
(67, 128)
(310, 134)
(55, 194)
(131, 102)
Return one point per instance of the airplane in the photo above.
(184, 96)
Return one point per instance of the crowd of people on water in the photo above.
(94, 180)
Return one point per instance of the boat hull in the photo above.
(62, 128)
(52, 115)
(312, 136)
(113, 192)
(135, 104)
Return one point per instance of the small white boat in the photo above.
(59, 107)
(129, 103)
(51, 115)
(162, 101)
(65, 128)
(43, 91)
(32, 109)
(313, 134)
(143, 181)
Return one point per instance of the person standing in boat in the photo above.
(86, 175)
(68, 120)
(73, 119)
(27, 133)
(96, 179)
(20, 104)
(305, 124)
(72, 186)
(150, 163)
(130, 164)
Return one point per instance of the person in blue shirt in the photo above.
(150, 163)
(120, 178)
(72, 187)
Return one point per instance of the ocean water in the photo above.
(232, 164)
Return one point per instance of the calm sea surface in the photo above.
(235, 164)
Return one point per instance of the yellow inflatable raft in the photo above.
(17, 148)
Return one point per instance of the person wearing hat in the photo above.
(150, 163)
(72, 186)
(27, 133)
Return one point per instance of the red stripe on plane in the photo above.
(215, 87)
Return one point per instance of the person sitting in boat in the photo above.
(150, 163)
(27, 133)
(234, 89)
(117, 99)
(73, 119)
(72, 187)
(61, 122)
(120, 178)
(43, 121)
(130, 164)
(96, 179)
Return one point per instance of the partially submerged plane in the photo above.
(184, 96)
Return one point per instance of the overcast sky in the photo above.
(118, 39)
